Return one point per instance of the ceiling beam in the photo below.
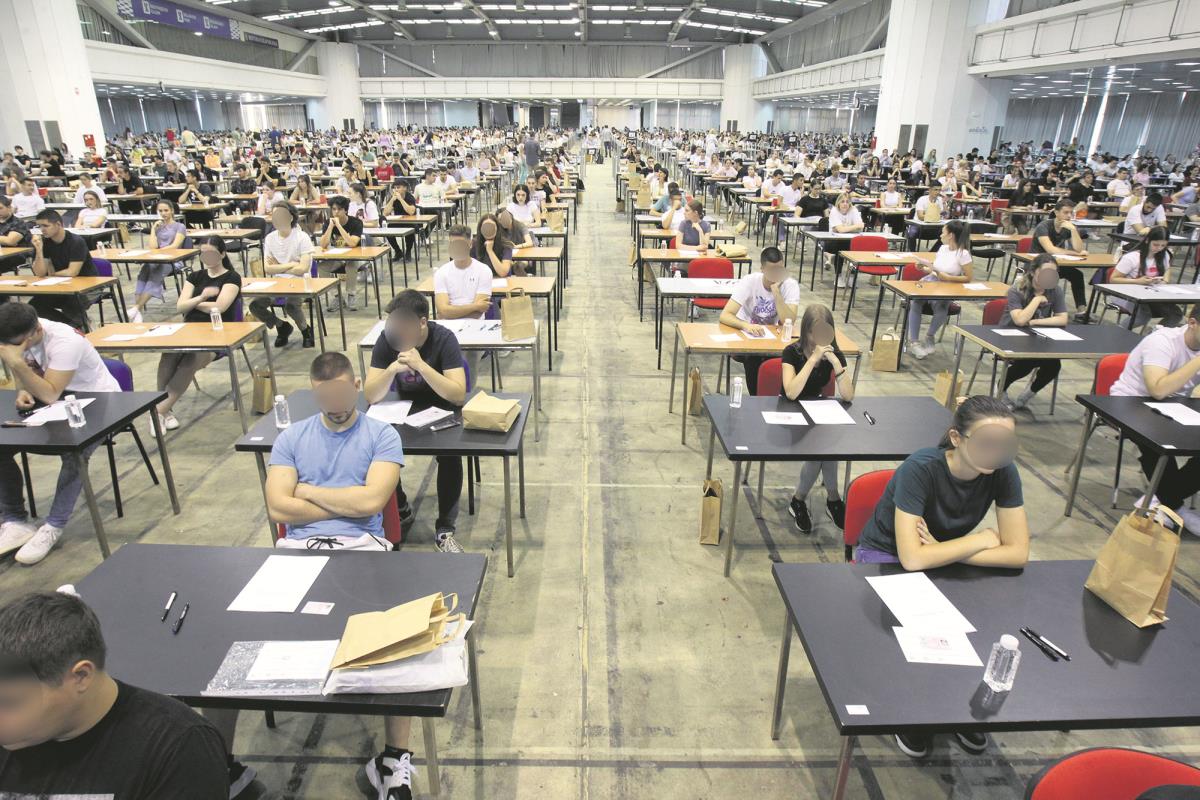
(583, 21)
(692, 8)
(492, 27)
(386, 19)
(827, 12)
(399, 60)
(122, 27)
(681, 61)
(299, 57)
(875, 40)
(772, 59)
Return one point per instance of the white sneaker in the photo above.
(170, 422)
(843, 282)
(920, 350)
(133, 314)
(391, 777)
(352, 301)
(13, 535)
(42, 542)
(1023, 399)
(1156, 509)
(1191, 519)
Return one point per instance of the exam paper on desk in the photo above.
(917, 603)
(279, 584)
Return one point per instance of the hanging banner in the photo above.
(167, 13)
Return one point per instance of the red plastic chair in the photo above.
(1024, 244)
(995, 208)
(861, 499)
(709, 268)
(1108, 773)
(993, 311)
(1108, 370)
(391, 522)
(911, 273)
(770, 384)
(866, 244)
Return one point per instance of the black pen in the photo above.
(167, 610)
(870, 419)
(1049, 653)
(182, 617)
(1062, 653)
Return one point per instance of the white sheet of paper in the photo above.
(764, 334)
(1067, 257)
(12, 282)
(995, 235)
(257, 286)
(426, 417)
(122, 337)
(827, 412)
(390, 411)
(937, 647)
(1057, 334)
(55, 412)
(784, 418)
(337, 251)
(280, 584)
(975, 287)
(499, 283)
(313, 607)
(297, 661)
(1009, 332)
(1178, 412)
(133, 253)
(163, 330)
(724, 337)
(1183, 289)
(51, 281)
(917, 603)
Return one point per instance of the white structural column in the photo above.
(925, 81)
(744, 64)
(45, 77)
(338, 64)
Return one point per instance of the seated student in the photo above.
(1059, 235)
(930, 207)
(761, 298)
(422, 361)
(1134, 198)
(1142, 218)
(59, 252)
(168, 234)
(515, 232)
(27, 203)
(462, 287)
(48, 360)
(694, 230)
(88, 184)
(1036, 301)
(773, 186)
(1148, 264)
(673, 217)
(129, 182)
(429, 191)
(71, 731)
(951, 263)
(844, 218)
(524, 208)
(491, 248)
(938, 497)
(362, 206)
(660, 205)
(343, 230)
(809, 364)
(1166, 364)
(196, 191)
(400, 202)
(289, 252)
(1119, 186)
(892, 197)
(215, 287)
(93, 214)
(14, 232)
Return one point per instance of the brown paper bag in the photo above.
(555, 221)
(644, 200)
(945, 387)
(516, 316)
(695, 392)
(483, 412)
(263, 402)
(620, 204)
(633, 253)
(710, 512)
(1134, 569)
(123, 235)
(380, 637)
(885, 357)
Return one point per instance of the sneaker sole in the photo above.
(16, 548)
(243, 782)
(975, 751)
(29, 563)
(796, 522)
(367, 779)
(908, 751)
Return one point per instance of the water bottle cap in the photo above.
(278, 397)
(1009, 642)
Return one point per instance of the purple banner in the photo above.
(177, 16)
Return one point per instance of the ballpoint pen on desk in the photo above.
(167, 610)
(1040, 645)
(182, 616)
(1062, 653)
(869, 418)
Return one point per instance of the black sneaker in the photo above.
(445, 542)
(407, 517)
(282, 331)
(973, 743)
(914, 745)
(308, 339)
(240, 778)
(837, 512)
(799, 512)
(390, 775)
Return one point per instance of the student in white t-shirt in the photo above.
(1165, 365)
(951, 263)
(1150, 214)
(288, 251)
(27, 203)
(462, 288)
(761, 298)
(1148, 264)
(49, 360)
(844, 217)
(673, 217)
(1119, 186)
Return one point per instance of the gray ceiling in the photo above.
(1154, 77)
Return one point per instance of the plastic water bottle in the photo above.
(215, 316)
(735, 393)
(676, 274)
(307, 282)
(1002, 664)
(283, 414)
(100, 248)
(75, 416)
(787, 331)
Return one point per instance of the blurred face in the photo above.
(506, 219)
(774, 272)
(280, 218)
(1148, 207)
(210, 256)
(1064, 214)
(404, 331)
(947, 238)
(844, 206)
(988, 445)
(27, 186)
(1157, 247)
(337, 398)
(822, 334)
(488, 229)
(459, 248)
(49, 229)
(32, 712)
(1046, 278)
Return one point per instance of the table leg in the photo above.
(785, 650)
(857, 367)
(431, 757)
(878, 311)
(124, 317)
(712, 443)
(959, 344)
(272, 532)
(319, 320)
(1083, 440)
(843, 770)
(508, 542)
(737, 490)
(93, 507)
(166, 462)
(1155, 479)
(1003, 376)
(236, 388)
(474, 673)
(674, 365)
(659, 311)
(537, 393)
(521, 477)
(683, 406)
(375, 275)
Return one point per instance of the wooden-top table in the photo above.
(1090, 261)
(368, 255)
(78, 287)
(934, 290)
(294, 286)
(189, 337)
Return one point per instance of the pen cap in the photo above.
(1009, 642)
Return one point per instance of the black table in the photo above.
(456, 441)
(1095, 342)
(109, 413)
(902, 426)
(1119, 676)
(129, 590)
(1146, 427)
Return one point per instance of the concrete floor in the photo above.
(618, 663)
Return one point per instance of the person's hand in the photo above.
(923, 534)
(989, 538)
(25, 400)
(12, 353)
(819, 352)
(1039, 299)
(410, 360)
(832, 358)
(490, 244)
(753, 330)
(210, 292)
(37, 243)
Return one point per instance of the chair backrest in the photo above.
(1107, 372)
(258, 223)
(770, 377)
(122, 372)
(103, 267)
(911, 273)
(994, 310)
(861, 499)
(995, 207)
(238, 315)
(710, 268)
(1024, 244)
(868, 244)
(1108, 772)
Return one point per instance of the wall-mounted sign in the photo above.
(168, 13)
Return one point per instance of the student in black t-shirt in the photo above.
(67, 729)
(343, 230)
(59, 253)
(810, 364)
(1059, 235)
(213, 287)
(128, 182)
(422, 362)
(490, 248)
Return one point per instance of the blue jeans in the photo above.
(867, 555)
(941, 312)
(12, 489)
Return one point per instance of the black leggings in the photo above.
(1178, 483)
(1047, 371)
(1075, 278)
(403, 251)
(449, 490)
